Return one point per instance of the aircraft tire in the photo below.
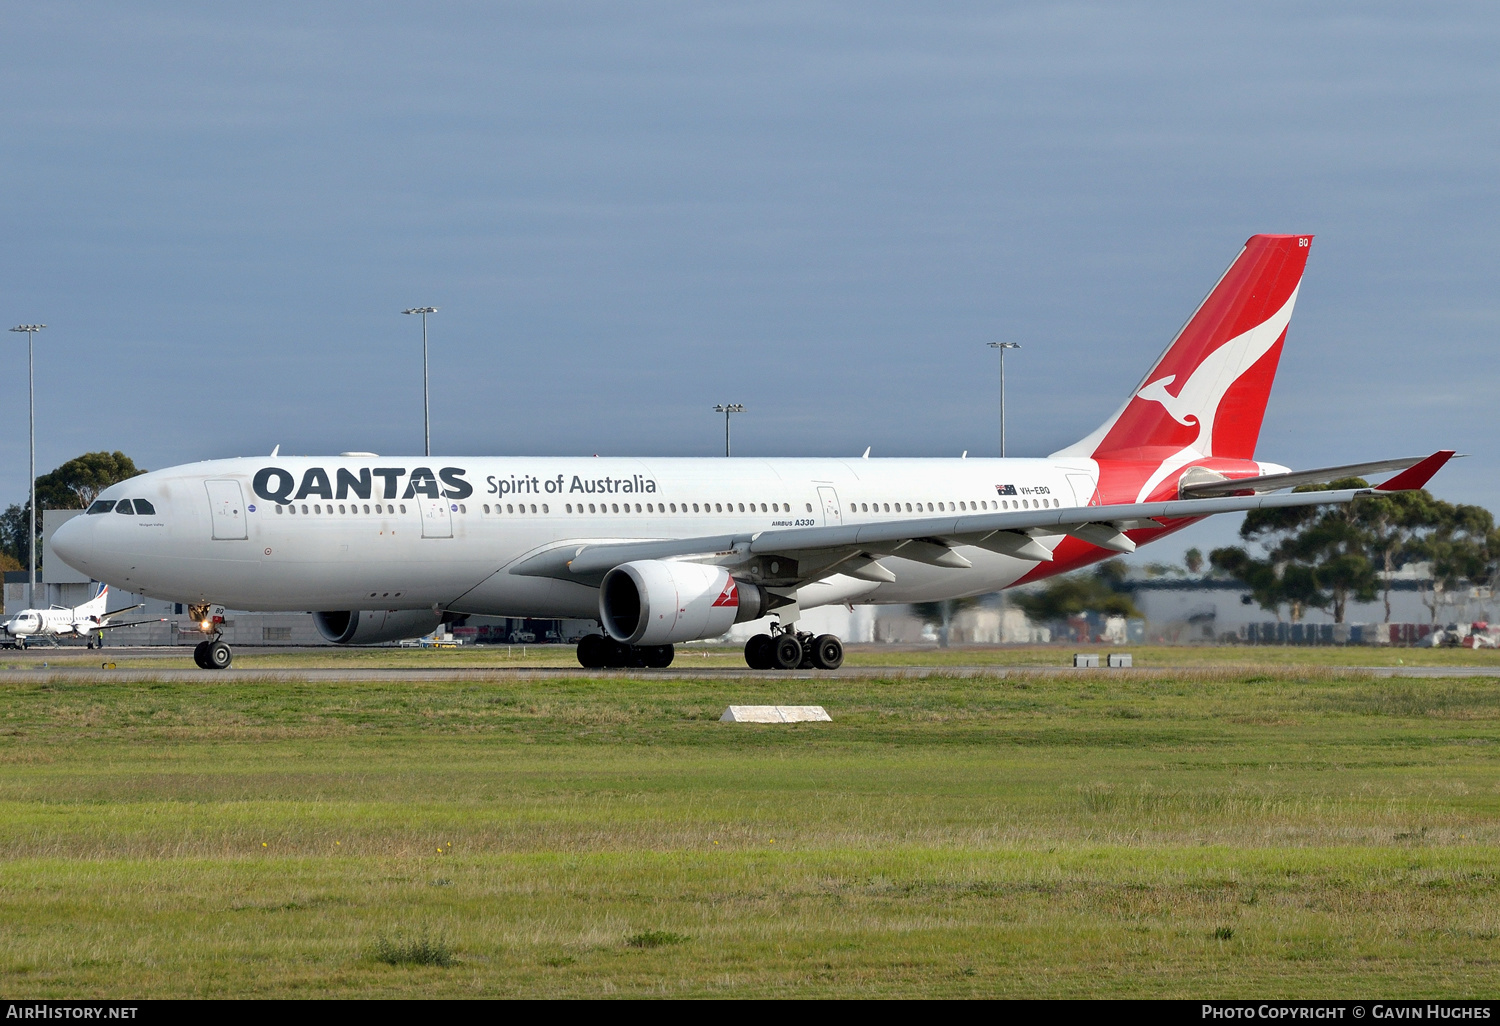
(787, 652)
(199, 655)
(827, 652)
(218, 655)
(618, 655)
(758, 652)
(658, 657)
(592, 654)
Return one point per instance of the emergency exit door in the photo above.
(832, 515)
(226, 505)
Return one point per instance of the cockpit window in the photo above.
(102, 506)
(124, 507)
(144, 508)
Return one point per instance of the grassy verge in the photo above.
(1216, 833)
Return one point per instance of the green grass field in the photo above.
(1211, 832)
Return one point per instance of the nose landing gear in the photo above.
(794, 650)
(215, 653)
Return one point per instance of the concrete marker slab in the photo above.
(775, 714)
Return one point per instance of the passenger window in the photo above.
(591, 507)
(341, 507)
(278, 510)
(403, 509)
(809, 507)
(462, 508)
(123, 506)
(544, 507)
(304, 509)
(101, 506)
(144, 508)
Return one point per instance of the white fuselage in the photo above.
(308, 533)
(56, 622)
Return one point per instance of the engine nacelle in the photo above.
(653, 602)
(371, 627)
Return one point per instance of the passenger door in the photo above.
(832, 515)
(227, 510)
(437, 518)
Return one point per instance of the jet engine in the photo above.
(653, 602)
(373, 626)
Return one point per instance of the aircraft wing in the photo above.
(128, 623)
(1276, 482)
(794, 556)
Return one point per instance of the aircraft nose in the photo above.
(73, 543)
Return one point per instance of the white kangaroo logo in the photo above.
(1197, 401)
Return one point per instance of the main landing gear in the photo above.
(794, 650)
(595, 652)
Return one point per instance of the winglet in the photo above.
(1417, 476)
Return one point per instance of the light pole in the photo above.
(31, 330)
(426, 415)
(1003, 346)
(727, 409)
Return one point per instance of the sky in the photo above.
(627, 213)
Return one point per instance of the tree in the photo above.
(1193, 560)
(74, 485)
(1315, 558)
(1323, 558)
(1099, 591)
(1463, 545)
(1394, 524)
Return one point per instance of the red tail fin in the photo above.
(1207, 393)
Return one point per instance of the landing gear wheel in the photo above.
(827, 652)
(200, 655)
(592, 652)
(786, 652)
(217, 656)
(758, 652)
(618, 654)
(657, 657)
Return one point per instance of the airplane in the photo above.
(665, 551)
(60, 621)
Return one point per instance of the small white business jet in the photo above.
(661, 551)
(60, 621)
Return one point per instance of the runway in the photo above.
(134, 665)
